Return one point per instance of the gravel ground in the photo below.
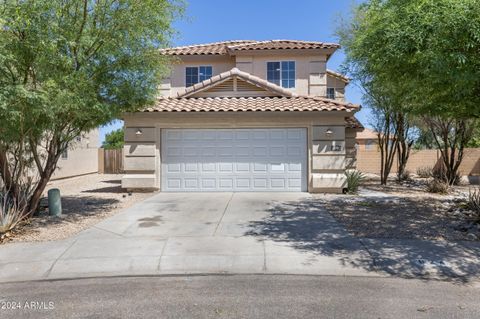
(404, 212)
(86, 200)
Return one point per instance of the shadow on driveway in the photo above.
(307, 226)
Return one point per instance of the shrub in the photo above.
(425, 172)
(12, 210)
(441, 174)
(354, 179)
(474, 202)
(438, 186)
(405, 176)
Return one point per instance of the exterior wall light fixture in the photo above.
(138, 132)
(328, 132)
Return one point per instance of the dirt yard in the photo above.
(405, 212)
(86, 200)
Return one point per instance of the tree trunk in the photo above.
(403, 145)
(45, 175)
(450, 136)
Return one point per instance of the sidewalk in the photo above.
(116, 256)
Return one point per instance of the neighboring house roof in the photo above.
(367, 134)
(226, 47)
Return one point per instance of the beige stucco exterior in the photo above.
(81, 158)
(311, 72)
(329, 155)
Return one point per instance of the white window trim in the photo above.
(195, 66)
(294, 80)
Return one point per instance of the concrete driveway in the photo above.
(176, 233)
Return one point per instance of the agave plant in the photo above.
(12, 211)
(474, 202)
(354, 179)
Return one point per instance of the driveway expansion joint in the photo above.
(49, 271)
(223, 215)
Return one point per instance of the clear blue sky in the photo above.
(219, 20)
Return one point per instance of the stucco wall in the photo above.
(142, 162)
(82, 157)
(311, 78)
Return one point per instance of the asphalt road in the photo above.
(240, 296)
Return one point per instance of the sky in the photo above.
(219, 20)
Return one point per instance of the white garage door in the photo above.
(234, 160)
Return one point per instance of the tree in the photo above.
(428, 51)
(67, 67)
(390, 118)
(114, 140)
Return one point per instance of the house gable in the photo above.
(235, 83)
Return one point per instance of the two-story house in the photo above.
(244, 116)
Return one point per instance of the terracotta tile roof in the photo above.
(282, 44)
(226, 47)
(248, 104)
(215, 48)
(285, 101)
(252, 79)
(339, 76)
(352, 122)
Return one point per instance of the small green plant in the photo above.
(474, 202)
(354, 179)
(437, 186)
(425, 172)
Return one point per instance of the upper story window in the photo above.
(281, 73)
(331, 93)
(196, 74)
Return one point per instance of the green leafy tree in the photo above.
(67, 67)
(114, 140)
(427, 50)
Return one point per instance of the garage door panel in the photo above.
(191, 183)
(208, 167)
(277, 167)
(242, 183)
(190, 168)
(234, 160)
(225, 167)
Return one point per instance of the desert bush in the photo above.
(425, 172)
(474, 201)
(440, 173)
(13, 209)
(354, 179)
(405, 176)
(438, 186)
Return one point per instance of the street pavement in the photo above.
(241, 296)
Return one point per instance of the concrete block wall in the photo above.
(369, 161)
